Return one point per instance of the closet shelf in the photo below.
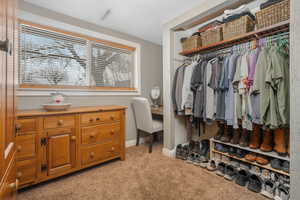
(270, 154)
(272, 30)
(268, 166)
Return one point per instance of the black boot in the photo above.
(220, 131)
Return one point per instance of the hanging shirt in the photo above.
(187, 93)
(179, 86)
(229, 96)
(220, 92)
(210, 93)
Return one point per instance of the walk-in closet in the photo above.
(230, 93)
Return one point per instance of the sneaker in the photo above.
(225, 159)
(268, 189)
(262, 160)
(245, 166)
(179, 151)
(266, 174)
(286, 166)
(232, 151)
(240, 153)
(242, 177)
(251, 157)
(221, 148)
(211, 166)
(196, 160)
(230, 172)
(255, 183)
(283, 193)
(255, 170)
(276, 164)
(235, 164)
(191, 158)
(221, 169)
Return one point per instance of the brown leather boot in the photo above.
(244, 140)
(220, 131)
(255, 139)
(267, 142)
(226, 137)
(280, 141)
(236, 136)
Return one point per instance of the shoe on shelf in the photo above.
(179, 151)
(232, 151)
(280, 141)
(267, 142)
(211, 166)
(255, 170)
(276, 164)
(266, 174)
(221, 169)
(228, 134)
(226, 159)
(220, 131)
(282, 193)
(236, 136)
(269, 189)
(242, 177)
(244, 140)
(230, 173)
(262, 160)
(251, 157)
(240, 153)
(221, 148)
(255, 138)
(255, 183)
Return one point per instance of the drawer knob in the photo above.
(92, 154)
(91, 120)
(113, 148)
(60, 122)
(73, 137)
(19, 174)
(112, 132)
(18, 127)
(112, 117)
(92, 135)
(19, 147)
(98, 118)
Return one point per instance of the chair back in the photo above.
(142, 112)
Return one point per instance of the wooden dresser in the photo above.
(51, 144)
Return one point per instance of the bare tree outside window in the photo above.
(54, 59)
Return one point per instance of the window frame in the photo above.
(24, 88)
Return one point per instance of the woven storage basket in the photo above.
(212, 35)
(191, 43)
(274, 14)
(238, 27)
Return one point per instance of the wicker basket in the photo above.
(274, 14)
(191, 43)
(212, 35)
(238, 27)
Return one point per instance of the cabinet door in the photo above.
(59, 153)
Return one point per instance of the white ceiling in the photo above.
(141, 18)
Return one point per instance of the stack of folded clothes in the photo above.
(269, 3)
(234, 14)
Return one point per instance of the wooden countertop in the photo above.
(83, 109)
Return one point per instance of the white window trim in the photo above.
(80, 92)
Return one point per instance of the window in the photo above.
(57, 60)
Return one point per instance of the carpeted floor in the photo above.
(142, 176)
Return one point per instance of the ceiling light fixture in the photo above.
(106, 14)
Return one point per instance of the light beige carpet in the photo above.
(141, 176)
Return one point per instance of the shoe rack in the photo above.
(269, 154)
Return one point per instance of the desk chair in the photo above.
(144, 121)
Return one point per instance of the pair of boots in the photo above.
(225, 133)
(265, 140)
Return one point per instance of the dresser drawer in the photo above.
(100, 133)
(100, 117)
(59, 121)
(25, 125)
(26, 171)
(99, 152)
(26, 146)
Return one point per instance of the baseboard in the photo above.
(169, 153)
(130, 143)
